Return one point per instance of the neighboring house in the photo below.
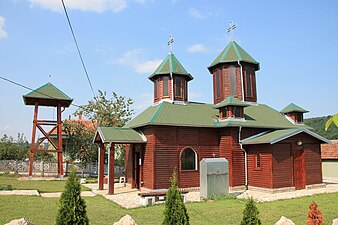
(330, 159)
(265, 148)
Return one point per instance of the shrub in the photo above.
(175, 211)
(250, 214)
(72, 208)
(314, 216)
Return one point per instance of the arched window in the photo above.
(188, 159)
(232, 70)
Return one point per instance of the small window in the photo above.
(178, 86)
(165, 86)
(232, 70)
(237, 112)
(218, 84)
(188, 159)
(299, 117)
(224, 112)
(257, 161)
(156, 88)
(248, 82)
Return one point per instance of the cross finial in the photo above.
(170, 43)
(231, 29)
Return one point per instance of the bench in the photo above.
(155, 197)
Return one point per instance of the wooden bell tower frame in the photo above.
(50, 96)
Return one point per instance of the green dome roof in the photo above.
(233, 53)
(171, 65)
(293, 108)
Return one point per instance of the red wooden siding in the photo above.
(313, 165)
(238, 169)
(148, 163)
(129, 163)
(224, 150)
(282, 167)
(259, 177)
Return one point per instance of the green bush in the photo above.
(72, 208)
(250, 214)
(175, 212)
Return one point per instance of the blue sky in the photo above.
(122, 42)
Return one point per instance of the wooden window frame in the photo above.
(156, 88)
(248, 77)
(257, 161)
(195, 160)
(167, 85)
(232, 80)
(180, 88)
(218, 83)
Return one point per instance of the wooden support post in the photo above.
(101, 166)
(59, 137)
(31, 155)
(140, 161)
(111, 170)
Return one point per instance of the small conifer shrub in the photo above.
(250, 214)
(175, 212)
(72, 208)
(314, 216)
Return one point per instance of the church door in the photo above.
(298, 169)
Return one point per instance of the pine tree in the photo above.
(314, 216)
(250, 214)
(72, 208)
(175, 212)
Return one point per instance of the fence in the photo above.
(41, 168)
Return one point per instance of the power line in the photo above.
(31, 89)
(78, 49)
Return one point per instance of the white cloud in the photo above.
(3, 33)
(143, 2)
(143, 101)
(197, 48)
(83, 5)
(196, 13)
(134, 59)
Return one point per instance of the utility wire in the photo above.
(78, 49)
(31, 89)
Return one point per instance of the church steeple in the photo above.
(170, 79)
(233, 73)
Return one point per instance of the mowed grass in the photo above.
(225, 211)
(43, 186)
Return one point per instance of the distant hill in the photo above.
(318, 124)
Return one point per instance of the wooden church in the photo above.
(266, 149)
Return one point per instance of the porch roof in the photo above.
(273, 137)
(119, 135)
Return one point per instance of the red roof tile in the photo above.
(330, 151)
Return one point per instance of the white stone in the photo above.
(22, 221)
(284, 221)
(83, 181)
(126, 220)
(335, 221)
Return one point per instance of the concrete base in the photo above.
(272, 190)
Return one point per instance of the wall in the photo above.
(282, 165)
(330, 168)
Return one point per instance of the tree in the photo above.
(314, 216)
(175, 211)
(11, 149)
(114, 112)
(72, 208)
(250, 214)
(333, 119)
(80, 142)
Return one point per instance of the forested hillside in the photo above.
(318, 124)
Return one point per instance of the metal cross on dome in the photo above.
(231, 29)
(170, 43)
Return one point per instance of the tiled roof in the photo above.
(171, 65)
(48, 95)
(231, 100)
(118, 135)
(205, 115)
(87, 123)
(233, 53)
(293, 108)
(330, 151)
(273, 137)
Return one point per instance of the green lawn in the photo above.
(102, 211)
(41, 185)
(228, 211)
